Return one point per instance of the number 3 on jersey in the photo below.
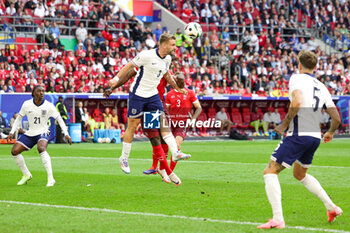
(178, 103)
(36, 120)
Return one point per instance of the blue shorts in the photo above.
(137, 105)
(28, 142)
(296, 148)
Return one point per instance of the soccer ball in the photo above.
(99, 140)
(193, 30)
(108, 140)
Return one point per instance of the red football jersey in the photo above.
(180, 105)
(161, 88)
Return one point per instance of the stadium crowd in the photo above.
(260, 64)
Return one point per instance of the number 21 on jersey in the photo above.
(36, 120)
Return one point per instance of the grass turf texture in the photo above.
(230, 187)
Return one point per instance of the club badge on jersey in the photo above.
(43, 112)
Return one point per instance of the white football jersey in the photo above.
(38, 116)
(151, 70)
(315, 96)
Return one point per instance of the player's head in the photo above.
(307, 61)
(38, 92)
(167, 42)
(180, 79)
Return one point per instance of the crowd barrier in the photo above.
(11, 103)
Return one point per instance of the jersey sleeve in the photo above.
(294, 84)
(193, 97)
(328, 101)
(23, 110)
(53, 112)
(140, 59)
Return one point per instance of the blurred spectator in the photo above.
(81, 32)
(257, 121)
(61, 108)
(268, 118)
(115, 121)
(80, 116)
(157, 32)
(107, 118)
(276, 117)
(225, 122)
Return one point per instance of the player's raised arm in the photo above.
(173, 84)
(297, 97)
(15, 127)
(124, 75)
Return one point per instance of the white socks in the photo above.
(21, 164)
(170, 140)
(126, 149)
(45, 157)
(312, 184)
(273, 191)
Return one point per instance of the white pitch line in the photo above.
(187, 161)
(165, 216)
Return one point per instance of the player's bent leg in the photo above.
(46, 160)
(273, 167)
(274, 195)
(179, 141)
(127, 140)
(168, 137)
(131, 129)
(16, 151)
(312, 184)
(155, 141)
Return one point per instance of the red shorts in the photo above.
(153, 133)
(179, 131)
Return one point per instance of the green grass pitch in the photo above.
(222, 190)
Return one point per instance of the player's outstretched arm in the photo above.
(64, 129)
(14, 127)
(124, 75)
(333, 112)
(173, 84)
(297, 97)
(198, 111)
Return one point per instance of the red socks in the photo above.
(165, 149)
(155, 160)
(172, 164)
(158, 151)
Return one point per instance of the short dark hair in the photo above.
(308, 59)
(36, 87)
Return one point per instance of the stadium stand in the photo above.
(248, 48)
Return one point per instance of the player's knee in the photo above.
(298, 175)
(270, 170)
(132, 126)
(155, 141)
(14, 151)
(41, 149)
